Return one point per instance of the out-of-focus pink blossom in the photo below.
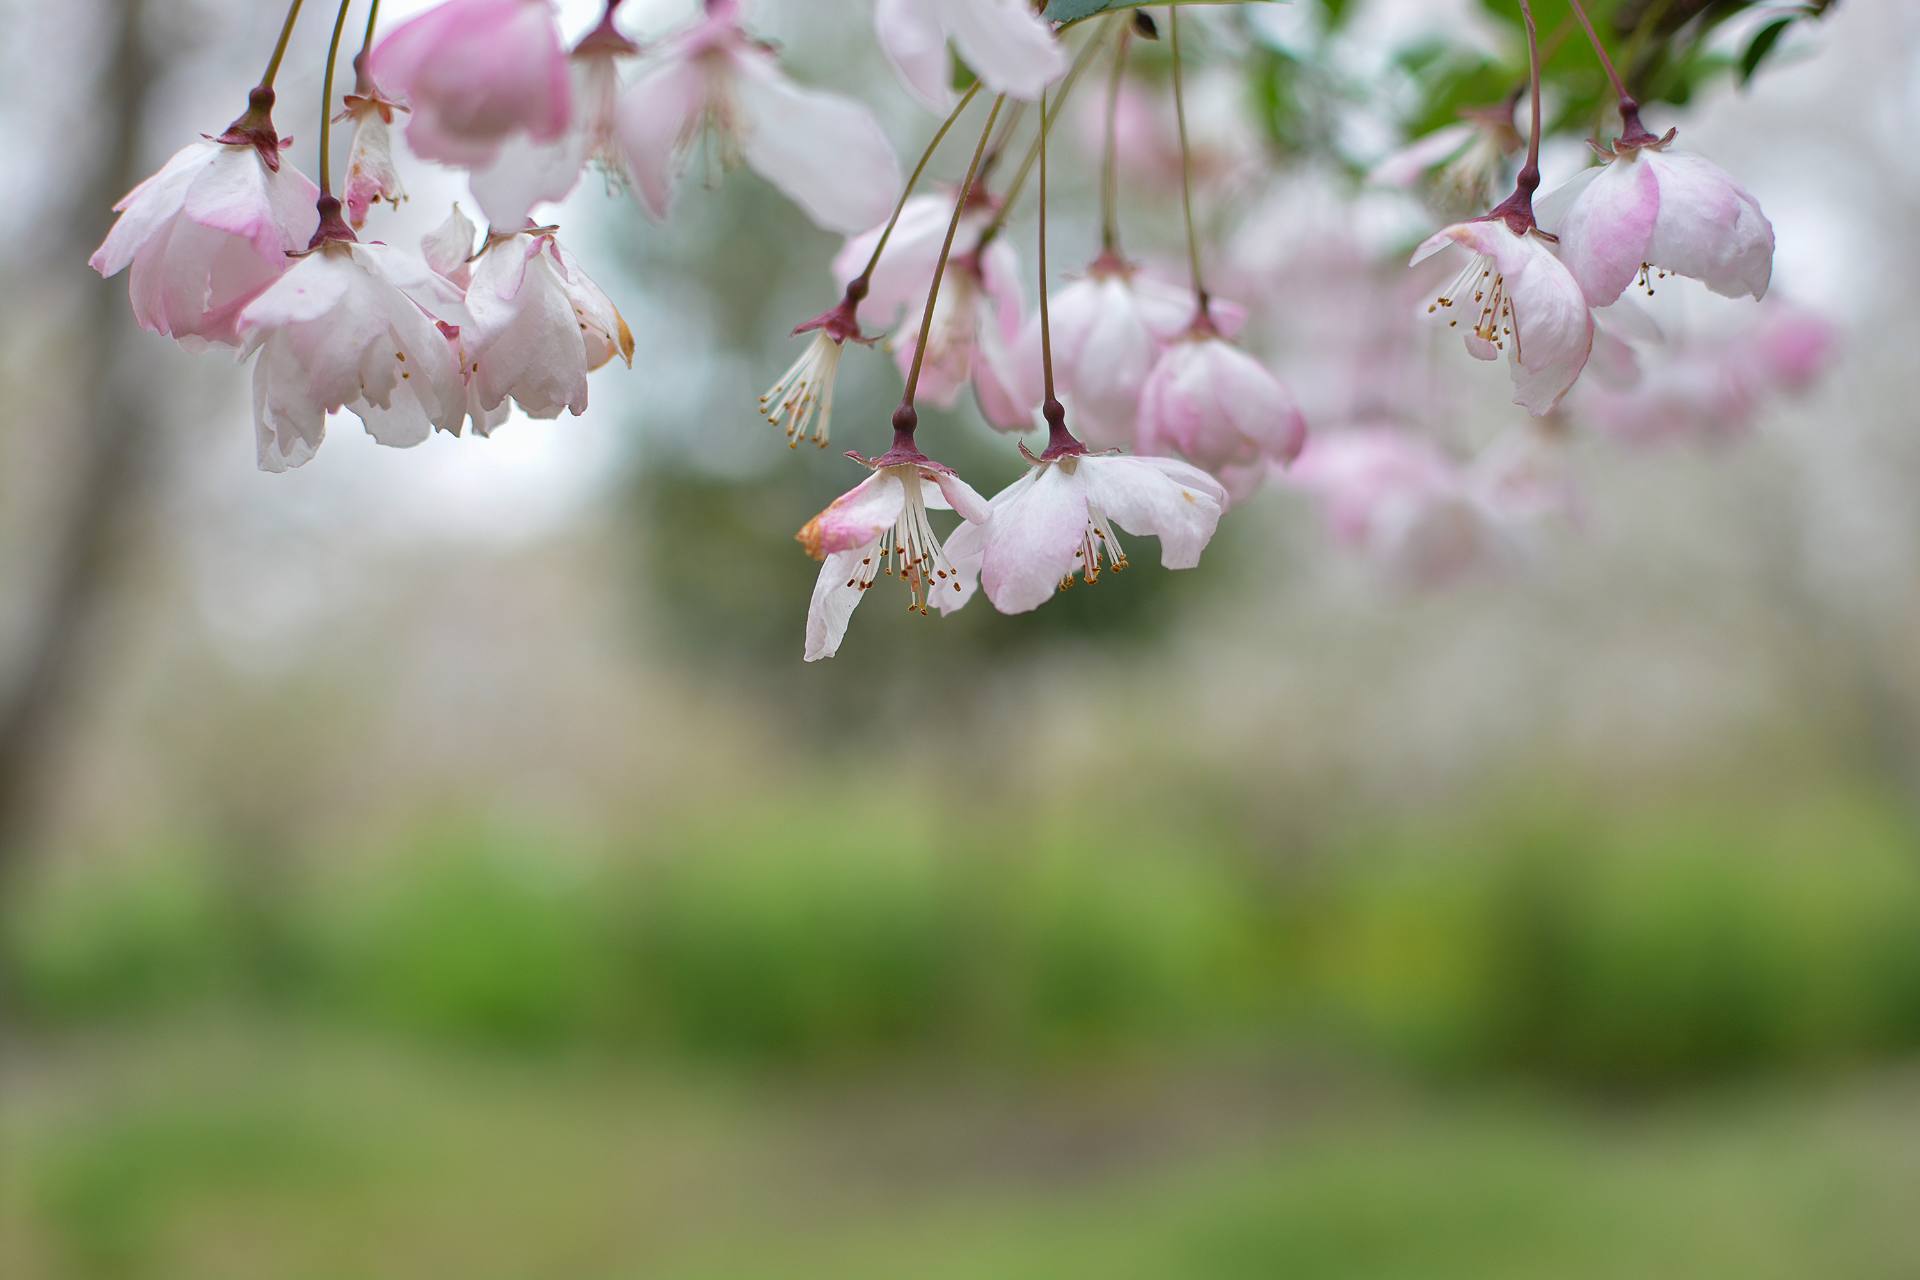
(1005, 42)
(1651, 210)
(528, 172)
(1471, 156)
(1222, 136)
(1515, 295)
(205, 235)
(1711, 389)
(825, 152)
(1059, 521)
(881, 526)
(348, 327)
(475, 73)
(538, 325)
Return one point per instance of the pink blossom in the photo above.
(900, 280)
(1217, 406)
(1651, 210)
(538, 326)
(371, 176)
(1517, 296)
(476, 73)
(823, 151)
(448, 248)
(528, 172)
(347, 327)
(976, 324)
(205, 235)
(1399, 499)
(881, 526)
(1005, 42)
(1060, 520)
(1109, 328)
(1469, 154)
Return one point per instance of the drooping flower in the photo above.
(1218, 407)
(475, 73)
(880, 526)
(1650, 211)
(1008, 46)
(1399, 499)
(825, 152)
(348, 327)
(1109, 328)
(1469, 156)
(371, 176)
(1060, 520)
(898, 284)
(537, 326)
(1517, 297)
(976, 326)
(802, 397)
(208, 232)
(528, 172)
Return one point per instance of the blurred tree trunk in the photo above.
(113, 427)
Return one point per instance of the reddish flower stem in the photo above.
(1632, 131)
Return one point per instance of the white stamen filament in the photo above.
(1492, 306)
(1099, 540)
(912, 552)
(804, 393)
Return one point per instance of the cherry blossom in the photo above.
(898, 283)
(1061, 520)
(825, 152)
(1518, 297)
(881, 526)
(1109, 328)
(537, 326)
(1217, 406)
(348, 326)
(205, 235)
(371, 176)
(1469, 155)
(1401, 500)
(1006, 44)
(976, 324)
(1652, 210)
(528, 172)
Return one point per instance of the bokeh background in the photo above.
(440, 862)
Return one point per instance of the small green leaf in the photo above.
(1065, 11)
(1763, 44)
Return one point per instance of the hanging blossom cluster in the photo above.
(1157, 416)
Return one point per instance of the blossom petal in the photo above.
(916, 44)
(1606, 231)
(657, 115)
(1035, 527)
(836, 594)
(1710, 227)
(826, 152)
(1171, 500)
(1006, 43)
(857, 517)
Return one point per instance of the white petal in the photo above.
(1006, 43)
(916, 44)
(657, 115)
(1176, 503)
(836, 593)
(825, 152)
(1031, 535)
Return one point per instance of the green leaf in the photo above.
(1763, 44)
(1065, 11)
